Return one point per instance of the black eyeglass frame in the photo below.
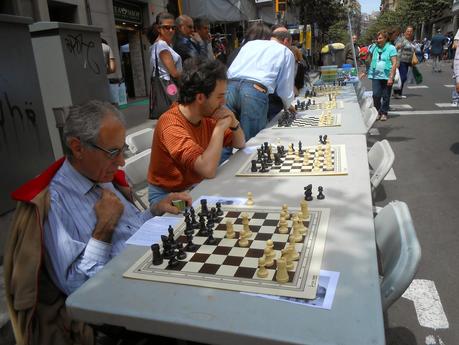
(168, 27)
(113, 153)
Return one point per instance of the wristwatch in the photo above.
(234, 129)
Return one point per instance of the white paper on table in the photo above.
(250, 149)
(212, 200)
(328, 280)
(150, 232)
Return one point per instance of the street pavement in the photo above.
(424, 134)
(423, 130)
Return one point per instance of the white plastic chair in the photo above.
(136, 168)
(140, 140)
(399, 249)
(369, 117)
(381, 158)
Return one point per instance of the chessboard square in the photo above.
(258, 244)
(207, 249)
(279, 245)
(245, 272)
(238, 251)
(227, 270)
(255, 228)
(249, 262)
(232, 214)
(254, 253)
(280, 238)
(199, 240)
(273, 215)
(262, 236)
(221, 227)
(266, 229)
(197, 257)
(192, 267)
(233, 260)
(256, 221)
(259, 215)
(219, 234)
(284, 170)
(227, 242)
(216, 259)
(209, 268)
(270, 222)
(222, 250)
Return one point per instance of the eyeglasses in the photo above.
(112, 153)
(168, 27)
(190, 27)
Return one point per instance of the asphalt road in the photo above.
(424, 134)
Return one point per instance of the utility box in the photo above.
(71, 68)
(25, 145)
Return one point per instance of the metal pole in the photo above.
(350, 35)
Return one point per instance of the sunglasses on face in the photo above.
(111, 153)
(168, 27)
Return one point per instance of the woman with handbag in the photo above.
(406, 57)
(383, 66)
(165, 65)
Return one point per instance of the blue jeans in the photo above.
(155, 194)
(249, 104)
(403, 70)
(381, 90)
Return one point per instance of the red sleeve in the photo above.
(228, 138)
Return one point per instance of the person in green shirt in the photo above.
(381, 71)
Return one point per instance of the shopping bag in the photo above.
(417, 75)
(397, 81)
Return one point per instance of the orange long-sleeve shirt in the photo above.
(177, 144)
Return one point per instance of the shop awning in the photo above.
(220, 10)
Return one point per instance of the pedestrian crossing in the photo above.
(417, 87)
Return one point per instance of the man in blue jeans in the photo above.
(262, 67)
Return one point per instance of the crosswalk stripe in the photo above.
(400, 106)
(445, 105)
(418, 87)
(426, 112)
(449, 85)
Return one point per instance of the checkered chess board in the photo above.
(293, 165)
(225, 265)
(312, 121)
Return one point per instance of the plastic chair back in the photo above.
(136, 168)
(399, 248)
(381, 158)
(140, 141)
(369, 117)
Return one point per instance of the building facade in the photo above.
(389, 5)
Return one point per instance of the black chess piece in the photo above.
(219, 208)
(277, 160)
(173, 262)
(171, 238)
(210, 237)
(321, 195)
(194, 222)
(189, 225)
(157, 257)
(264, 166)
(181, 255)
(259, 155)
(268, 158)
(202, 226)
(204, 209)
(325, 139)
(300, 147)
(190, 246)
(254, 168)
(308, 193)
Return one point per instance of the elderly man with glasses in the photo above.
(90, 217)
(187, 42)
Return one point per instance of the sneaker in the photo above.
(454, 104)
(383, 117)
(397, 96)
(379, 116)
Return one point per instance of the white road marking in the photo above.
(427, 304)
(400, 106)
(445, 105)
(426, 112)
(449, 85)
(417, 87)
(431, 340)
(390, 175)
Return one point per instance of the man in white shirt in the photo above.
(262, 67)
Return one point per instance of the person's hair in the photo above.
(200, 22)
(282, 35)
(153, 31)
(84, 121)
(409, 26)
(257, 31)
(278, 25)
(181, 19)
(199, 76)
(383, 33)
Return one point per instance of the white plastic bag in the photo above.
(397, 81)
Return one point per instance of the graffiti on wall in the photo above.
(77, 46)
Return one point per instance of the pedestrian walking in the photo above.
(405, 51)
(437, 43)
(456, 70)
(383, 57)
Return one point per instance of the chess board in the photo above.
(225, 265)
(309, 121)
(295, 166)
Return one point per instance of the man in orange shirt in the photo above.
(189, 137)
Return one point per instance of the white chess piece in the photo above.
(281, 272)
(249, 199)
(262, 272)
(283, 226)
(229, 230)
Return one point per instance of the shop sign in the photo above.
(126, 12)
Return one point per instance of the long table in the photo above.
(351, 118)
(227, 317)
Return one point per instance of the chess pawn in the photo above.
(285, 209)
(296, 235)
(229, 230)
(270, 245)
(292, 250)
(288, 259)
(281, 272)
(290, 149)
(304, 209)
(262, 272)
(283, 226)
(269, 258)
(302, 228)
(249, 199)
(243, 240)
(245, 225)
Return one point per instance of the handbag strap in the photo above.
(156, 63)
